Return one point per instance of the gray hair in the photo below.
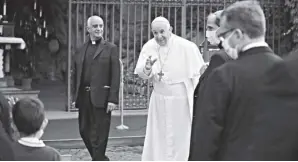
(93, 17)
(247, 16)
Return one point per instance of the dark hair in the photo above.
(217, 21)
(247, 16)
(217, 15)
(28, 115)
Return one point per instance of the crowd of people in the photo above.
(242, 105)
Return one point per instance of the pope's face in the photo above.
(95, 28)
(161, 32)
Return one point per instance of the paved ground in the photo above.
(53, 96)
(119, 153)
(69, 128)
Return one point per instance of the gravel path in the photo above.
(115, 153)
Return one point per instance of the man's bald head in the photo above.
(95, 27)
(161, 30)
(94, 19)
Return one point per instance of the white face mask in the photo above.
(232, 52)
(212, 37)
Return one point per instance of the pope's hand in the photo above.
(149, 63)
(111, 107)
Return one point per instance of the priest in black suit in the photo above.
(96, 82)
(216, 60)
(236, 119)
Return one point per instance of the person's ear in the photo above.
(44, 124)
(171, 29)
(88, 29)
(239, 34)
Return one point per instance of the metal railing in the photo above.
(127, 24)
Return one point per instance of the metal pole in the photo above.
(121, 126)
(149, 37)
(183, 18)
(69, 98)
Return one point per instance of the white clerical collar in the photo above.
(31, 142)
(254, 44)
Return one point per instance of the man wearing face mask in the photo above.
(231, 123)
(173, 64)
(96, 81)
(213, 21)
(217, 59)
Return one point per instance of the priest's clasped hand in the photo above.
(111, 107)
(150, 63)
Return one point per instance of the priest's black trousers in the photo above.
(94, 126)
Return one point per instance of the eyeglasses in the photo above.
(223, 35)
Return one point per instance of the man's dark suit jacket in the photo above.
(5, 114)
(283, 77)
(105, 74)
(280, 89)
(6, 143)
(237, 120)
(218, 59)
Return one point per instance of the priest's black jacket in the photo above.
(239, 118)
(217, 59)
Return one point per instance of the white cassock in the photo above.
(171, 103)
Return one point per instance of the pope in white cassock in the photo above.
(173, 64)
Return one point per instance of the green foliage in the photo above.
(291, 8)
